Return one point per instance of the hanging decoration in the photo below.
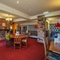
(36, 26)
(57, 24)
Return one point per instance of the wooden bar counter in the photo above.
(55, 47)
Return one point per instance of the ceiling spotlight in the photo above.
(45, 12)
(17, 2)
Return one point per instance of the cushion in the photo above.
(24, 40)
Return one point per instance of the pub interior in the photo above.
(33, 35)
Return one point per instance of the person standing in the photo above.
(41, 35)
(7, 38)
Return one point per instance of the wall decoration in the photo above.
(36, 26)
(57, 24)
(53, 28)
(3, 24)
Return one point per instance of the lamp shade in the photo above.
(57, 24)
(9, 19)
(36, 26)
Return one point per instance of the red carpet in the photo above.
(35, 51)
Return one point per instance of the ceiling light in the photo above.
(45, 12)
(17, 2)
(9, 19)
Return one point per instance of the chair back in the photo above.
(17, 40)
(25, 41)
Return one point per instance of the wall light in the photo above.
(46, 12)
(11, 27)
(9, 19)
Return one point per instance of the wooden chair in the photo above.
(17, 41)
(48, 54)
(25, 42)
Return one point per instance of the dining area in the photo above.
(17, 41)
(15, 38)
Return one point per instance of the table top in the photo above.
(55, 47)
(19, 36)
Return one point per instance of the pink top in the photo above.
(40, 34)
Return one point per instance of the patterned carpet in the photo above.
(35, 51)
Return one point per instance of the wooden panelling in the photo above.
(4, 24)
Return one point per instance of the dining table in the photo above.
(17, 39)
(21, 36)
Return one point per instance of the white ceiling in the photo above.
(6, 15)
(33, 7)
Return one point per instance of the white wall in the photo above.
(55, 21)
(31, 22)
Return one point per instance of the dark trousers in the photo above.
(8, 43)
